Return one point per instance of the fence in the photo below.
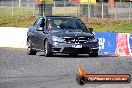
(99, 10)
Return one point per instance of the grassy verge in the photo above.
(109, 25)
(99, 25)
(17, 21)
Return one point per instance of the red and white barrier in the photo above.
(122, 44)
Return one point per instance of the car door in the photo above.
(35, 33)
(32, 34)
(40, 34)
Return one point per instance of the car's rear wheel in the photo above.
(30, 51)
(47, 49)
(93, 54)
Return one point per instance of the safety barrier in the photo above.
(110, 43)
(107, 42)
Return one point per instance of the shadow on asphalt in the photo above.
(79, 56)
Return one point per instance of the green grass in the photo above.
(17, 21)
(109, 25)
(99, 25)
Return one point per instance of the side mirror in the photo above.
(40, 29)
(90, 29)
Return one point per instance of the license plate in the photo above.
(77, 46)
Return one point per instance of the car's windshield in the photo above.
(65, 23)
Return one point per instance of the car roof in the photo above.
(57, 17)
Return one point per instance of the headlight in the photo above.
(57, 39)
(93, 40)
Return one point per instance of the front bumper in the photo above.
(85, 48)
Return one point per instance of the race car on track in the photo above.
(61, 34)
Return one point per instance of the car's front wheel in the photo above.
(30, 51)
(47, 49)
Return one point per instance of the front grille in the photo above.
(76, 40)
(83, 50)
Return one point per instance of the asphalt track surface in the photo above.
(18, 70)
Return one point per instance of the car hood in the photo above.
(71, 33)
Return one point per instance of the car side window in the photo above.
(34, 23)
(39, 23)
(42, 23)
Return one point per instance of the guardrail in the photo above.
(110, 43)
